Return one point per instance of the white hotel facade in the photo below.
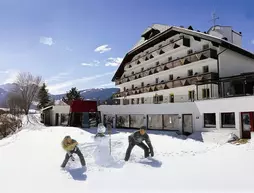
(180, 79)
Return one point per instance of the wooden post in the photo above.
(109, 126)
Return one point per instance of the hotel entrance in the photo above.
(247, 124)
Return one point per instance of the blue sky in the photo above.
(57, 39)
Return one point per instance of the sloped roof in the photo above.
(176, 30)
(159, 27)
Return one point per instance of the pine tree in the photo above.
(43, 97)
(73, 94)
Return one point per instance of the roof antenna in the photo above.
(214, 18)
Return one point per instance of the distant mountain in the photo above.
(92, 94)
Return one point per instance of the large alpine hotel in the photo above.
(184, 80)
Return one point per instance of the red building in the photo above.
(84, 113)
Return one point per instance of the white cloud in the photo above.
(46, 40)
(113, 61)
(4, 71)
(57, 77)
(103, 48)
(61, 88)
(94, 63)
(111, 84)
(68, 49)
(11, 76)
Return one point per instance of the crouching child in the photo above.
(137, 138)
(70, 146)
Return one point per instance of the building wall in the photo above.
(237, 39)
(180, 93)
(197, 109)
(231, 63)
(60, 110)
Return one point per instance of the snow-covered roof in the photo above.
(159, 27)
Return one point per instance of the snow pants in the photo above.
(80, 155)
(131, 145)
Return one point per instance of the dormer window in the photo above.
(138, 62)
(157, 63)
(146, 58)
(132, 72)
(152, 32)
(169, 58)
(151, 56)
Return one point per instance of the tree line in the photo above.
(29, 89)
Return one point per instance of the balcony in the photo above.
(191, 80)
(194, 57)
(158, 50)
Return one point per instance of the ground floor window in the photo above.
(228, 120)
(209, 120)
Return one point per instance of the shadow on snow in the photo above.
(78, 173)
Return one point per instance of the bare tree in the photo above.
(14, 102)
(27, 87)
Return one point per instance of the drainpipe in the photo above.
(218, 70)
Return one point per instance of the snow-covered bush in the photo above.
(9, 124)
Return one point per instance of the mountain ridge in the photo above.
(92, 93)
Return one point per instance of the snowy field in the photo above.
(30, 163)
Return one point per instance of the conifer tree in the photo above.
(43, 97)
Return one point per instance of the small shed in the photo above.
(84, 113)
(55, 115)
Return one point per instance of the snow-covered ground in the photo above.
(30, 163)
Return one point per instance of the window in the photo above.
(191, 95)
(205, 69)
(124, 88)
(171, 77)
(132, 101)
(132, 86)
(205, 93)
(138, 62)
(157, 99)
(169, 58)
(228, 120)
(209, 120)
(157, 63)
(142, 100)
(171, 98)
(157, 80)
(190, 72)
(132, 72)
(190, 52)
(142, 84)
(206, 46)
(137, 100)
(142, 69)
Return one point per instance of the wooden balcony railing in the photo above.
(194, 57)
(182, 41)
(191, 80)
